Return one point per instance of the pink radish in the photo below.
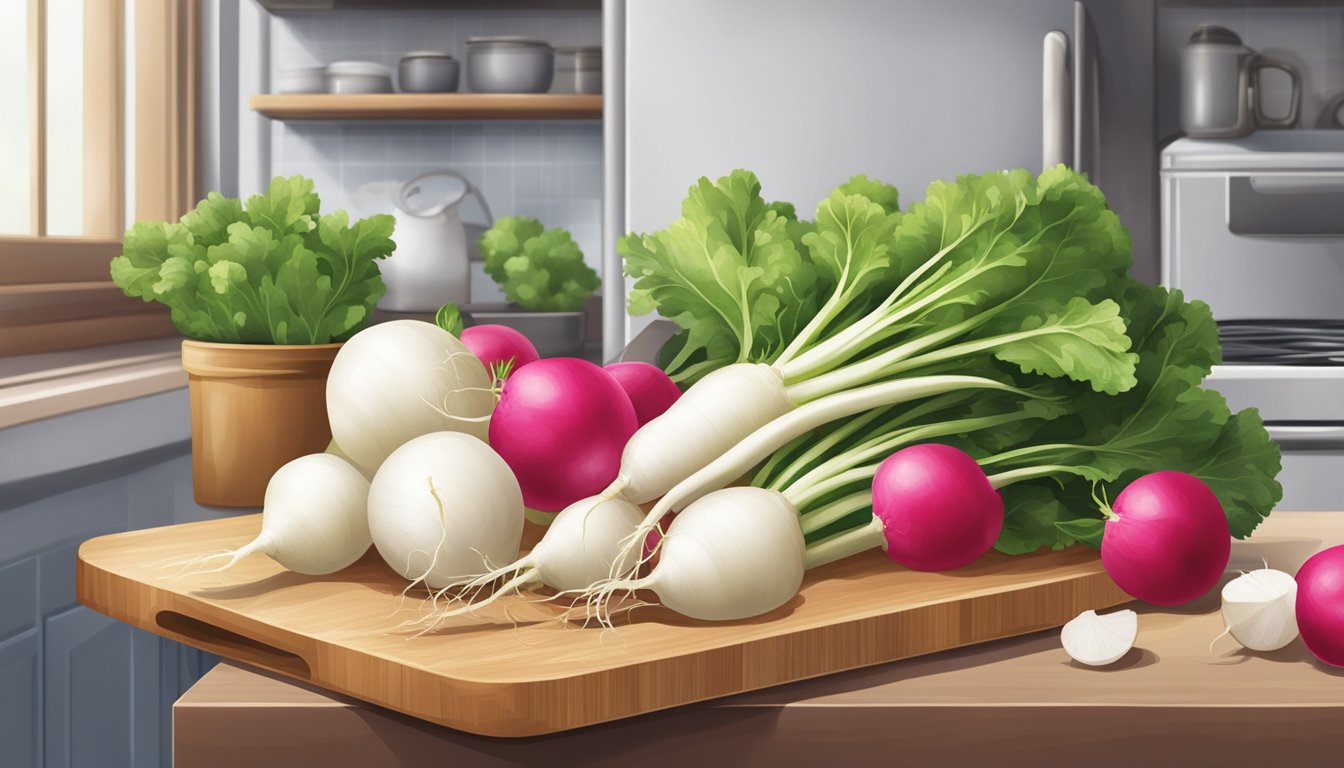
(1166, 540)
(933, 510)
(560, 425)
(651, 391)
(1320, 605)
(498, 344)
(937, 508)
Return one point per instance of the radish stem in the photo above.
(821, 517)
(846, 544)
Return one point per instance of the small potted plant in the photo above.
(545, 280)
(264, 292)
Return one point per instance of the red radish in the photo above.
(1320, 605)
(651, 391)
(497, 344)
(937, 508)
(561, 424)
(1166, 540)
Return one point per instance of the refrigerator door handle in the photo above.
(1299, 436)
(1086, 130)
(1056, 101)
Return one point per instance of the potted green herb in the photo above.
(264, 293)
(544, 278)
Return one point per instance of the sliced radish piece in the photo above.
(1097, 640)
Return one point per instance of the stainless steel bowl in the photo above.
(358, 77)
(578, 70)
(509, 64)
(427, 72)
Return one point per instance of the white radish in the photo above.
(575, 553)
(395, 381)
(1259, 609)
(335, 450)
(580, 543)
(314, 520)
(733, 554)
(756, 446)
(1097, 640)
(443, 508)
(712, 416)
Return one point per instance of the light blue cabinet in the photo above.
(87, 675)
(78, 688)
(20, 698)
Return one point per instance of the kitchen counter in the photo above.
(1170, 701)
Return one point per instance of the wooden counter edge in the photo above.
(238, 716)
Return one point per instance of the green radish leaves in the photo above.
(884, 195)
(1083, 341)
(1087, 530)
(449, 318)
(1167, 421)
(1005, 275)
(729, 272)
(1239, 467)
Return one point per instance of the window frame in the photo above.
(50, 274)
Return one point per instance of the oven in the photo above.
(1255, 228)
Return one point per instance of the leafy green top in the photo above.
(537, 268)
(731, 272)
(274, 271)
(1004, 275)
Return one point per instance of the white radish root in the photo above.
(575, 552)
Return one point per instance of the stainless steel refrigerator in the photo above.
(809, 92)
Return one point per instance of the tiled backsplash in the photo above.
(1311, 37)
(548, 169)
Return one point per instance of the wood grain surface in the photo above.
(517, 670)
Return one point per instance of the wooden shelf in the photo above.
(291, 6)
(428, 106)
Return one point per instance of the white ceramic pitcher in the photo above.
(430, 266)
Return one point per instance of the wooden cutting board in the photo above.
(515, 670)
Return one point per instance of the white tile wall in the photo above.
(551, 170)
(1312, 38)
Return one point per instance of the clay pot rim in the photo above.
(209, 359)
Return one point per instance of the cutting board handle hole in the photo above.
(233, 645)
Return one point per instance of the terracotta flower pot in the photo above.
(254, 407)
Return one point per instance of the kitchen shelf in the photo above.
(292, 6)
(429, 106)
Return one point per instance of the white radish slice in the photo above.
(1097, 640)
(1259, 609)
